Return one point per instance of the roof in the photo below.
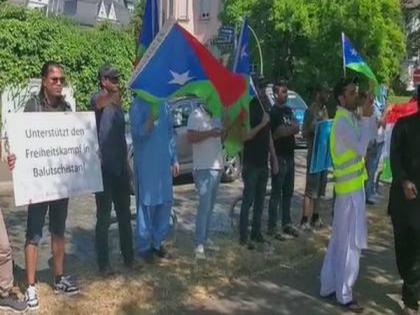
(85, 12)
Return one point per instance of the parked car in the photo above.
(181, 110)
(298, 106)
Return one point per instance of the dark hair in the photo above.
(48, 66)
(46, 69)
(279, 84)
(341, 86)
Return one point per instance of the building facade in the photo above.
(199, 17)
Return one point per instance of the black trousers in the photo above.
(116, 191)
(407, 250)
(255, 185)
(282, 187)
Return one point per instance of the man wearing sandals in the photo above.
(348, 144)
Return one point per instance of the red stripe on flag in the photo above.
(228, 85)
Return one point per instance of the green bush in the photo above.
(28, 39)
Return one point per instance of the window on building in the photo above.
(170, 8)
(102, 11)
(183, 10)
(205, 9)
(112, 15)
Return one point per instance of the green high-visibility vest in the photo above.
(349, 168)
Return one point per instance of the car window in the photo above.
(180, 114)
(295, 102)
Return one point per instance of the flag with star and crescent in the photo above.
(177, 64)
(354, 61)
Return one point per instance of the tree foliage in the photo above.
(301, 39)
(28, 39)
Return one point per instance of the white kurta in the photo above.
(349, 231)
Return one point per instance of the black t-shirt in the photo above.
(282, 116)
(256, 150)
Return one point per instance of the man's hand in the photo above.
(410, 190)
(367, 108)
(216, 132)
(175, 169)
(11, 161)
(295, 128)
(265, 119)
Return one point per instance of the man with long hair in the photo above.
(49, 99)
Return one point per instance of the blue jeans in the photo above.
(373, 156)
(206, 182)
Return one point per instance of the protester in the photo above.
(376, 145)
(205, 133)
(155, 163)
(404, 205)
(315, 183)
(258, 148)
(283, 127)
(49, 99)
(8, 300)
(115, 176)
(348, 144)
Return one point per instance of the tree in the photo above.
(301, 38)
(28, 39)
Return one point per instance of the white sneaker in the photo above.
(210, 245)
(306, 227)
(31, 297)
(199, 252)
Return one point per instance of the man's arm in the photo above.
(273, 157)
(251, 134)
(399, 173)
(106, 125)
(195, 136)
(285, 131)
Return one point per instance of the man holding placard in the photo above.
(49, 99)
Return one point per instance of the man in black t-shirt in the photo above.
(283, 127)
(258, 147)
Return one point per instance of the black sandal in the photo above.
(353, 306)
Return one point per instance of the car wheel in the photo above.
(232, 169)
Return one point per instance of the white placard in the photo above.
(56, 155)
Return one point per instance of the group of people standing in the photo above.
(268, 148)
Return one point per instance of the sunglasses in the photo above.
(55, 80)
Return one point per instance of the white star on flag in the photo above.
(353, 52)
(243, 51)
(180, 78)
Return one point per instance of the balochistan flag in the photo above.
(150, 27)
(395, 112)
(353, 60)
(177, 64)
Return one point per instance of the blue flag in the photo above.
(321, 157)
(150, 26)
(242, 62)
(353, 60)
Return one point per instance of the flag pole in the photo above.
(259, 50)
(344, 54)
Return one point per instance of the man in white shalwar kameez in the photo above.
(350, 138)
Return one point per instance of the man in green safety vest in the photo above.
(348, 144)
